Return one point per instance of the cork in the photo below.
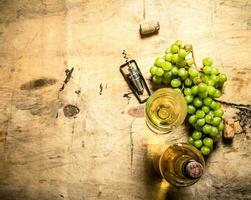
(194, 169)
(149, 27)
(231, 128)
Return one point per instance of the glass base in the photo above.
(158, 130)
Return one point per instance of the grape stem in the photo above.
(182, 88)
(193, 57)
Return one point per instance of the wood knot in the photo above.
(38, 83)
(137, 111)
(70, 110)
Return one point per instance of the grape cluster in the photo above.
(177, 69)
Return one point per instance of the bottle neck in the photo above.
(193, 169)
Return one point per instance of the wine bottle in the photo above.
(181, 164)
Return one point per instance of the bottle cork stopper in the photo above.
(194, 169)
(149, 27)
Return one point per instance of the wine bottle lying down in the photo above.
(181, 164)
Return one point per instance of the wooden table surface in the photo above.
(66, 129)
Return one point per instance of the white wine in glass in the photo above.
(165, 110)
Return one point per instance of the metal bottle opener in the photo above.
(134, 79)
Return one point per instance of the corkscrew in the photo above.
(134, 78)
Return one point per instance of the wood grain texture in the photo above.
(96, 148)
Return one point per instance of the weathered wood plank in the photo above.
(103, 152)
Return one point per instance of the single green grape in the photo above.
(188, 48)
(197, 143)
(222, 78)
(205, 150)
(202, 87)
(159, 61)
(153, 70)
(196, 135)
(218, 106)
(168, 57)
(168, 75)
(216, 121)
(207, 69)
(159, 72)
(206, 128)
(190, 140)
(200, 114)
(191, 109)
(210, 82)
(189, 61)
(175, 83)
(194, 90)
(207, 61)
(221, 126)
(211, 112)
(204, 78)
(218, 113)
(203, 95)
(187, 91)
(197, 102)
(184, 77)
(182, 72)
(213, 105)
(175, 58)
(178, 43)
(168, 50)
(214, 78)
(214, 132)
(192, 119)
(182, 53)
(167, 66)
(214, 71)
(174, 48)
(208, 119)
(205, 109)
(188, 82)
(208, 101)
(175, 71)
(193, 72)
(217, 93)
(197, 80)
(208, 142)
(157, 79)
(181, 63)
(189, 98)
(200, 122)
(217, 138)
(211, 90)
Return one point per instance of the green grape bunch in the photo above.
(200, 87)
